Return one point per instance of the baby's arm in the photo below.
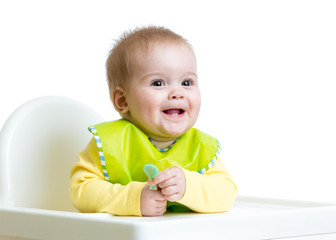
(91, 193)
(214, 191)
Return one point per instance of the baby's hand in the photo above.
(172, 183)
(152, 202)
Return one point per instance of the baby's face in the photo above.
(163, 96)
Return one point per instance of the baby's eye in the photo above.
(158, 83)
(186, 83)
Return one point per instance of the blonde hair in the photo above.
(120, 57)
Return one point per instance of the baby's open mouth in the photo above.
(174, 112)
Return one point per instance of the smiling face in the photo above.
(162, 97)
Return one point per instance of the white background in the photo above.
(267, 70)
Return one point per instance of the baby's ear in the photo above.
(119, 100)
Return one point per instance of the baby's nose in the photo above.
(176, 94)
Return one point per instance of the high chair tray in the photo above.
(250, 218)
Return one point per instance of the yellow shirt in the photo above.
(214, 191)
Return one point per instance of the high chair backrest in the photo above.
(39, 144)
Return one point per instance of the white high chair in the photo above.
(38, 146)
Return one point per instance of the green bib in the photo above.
(124, 150)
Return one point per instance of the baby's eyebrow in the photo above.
(191, 73)
(158, 74)
(152, 74)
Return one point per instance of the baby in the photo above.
(153, 84)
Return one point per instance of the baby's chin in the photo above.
(165, 132)
(169, 135)
(163, 138)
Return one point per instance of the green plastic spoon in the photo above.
(152, 171)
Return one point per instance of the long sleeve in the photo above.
(214, 191)
(91, 193)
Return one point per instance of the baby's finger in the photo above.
(158, 196)
(168, 183)
(161, 204)
(173, 198)
(169, 191)
(160, 210)
(163, 176)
